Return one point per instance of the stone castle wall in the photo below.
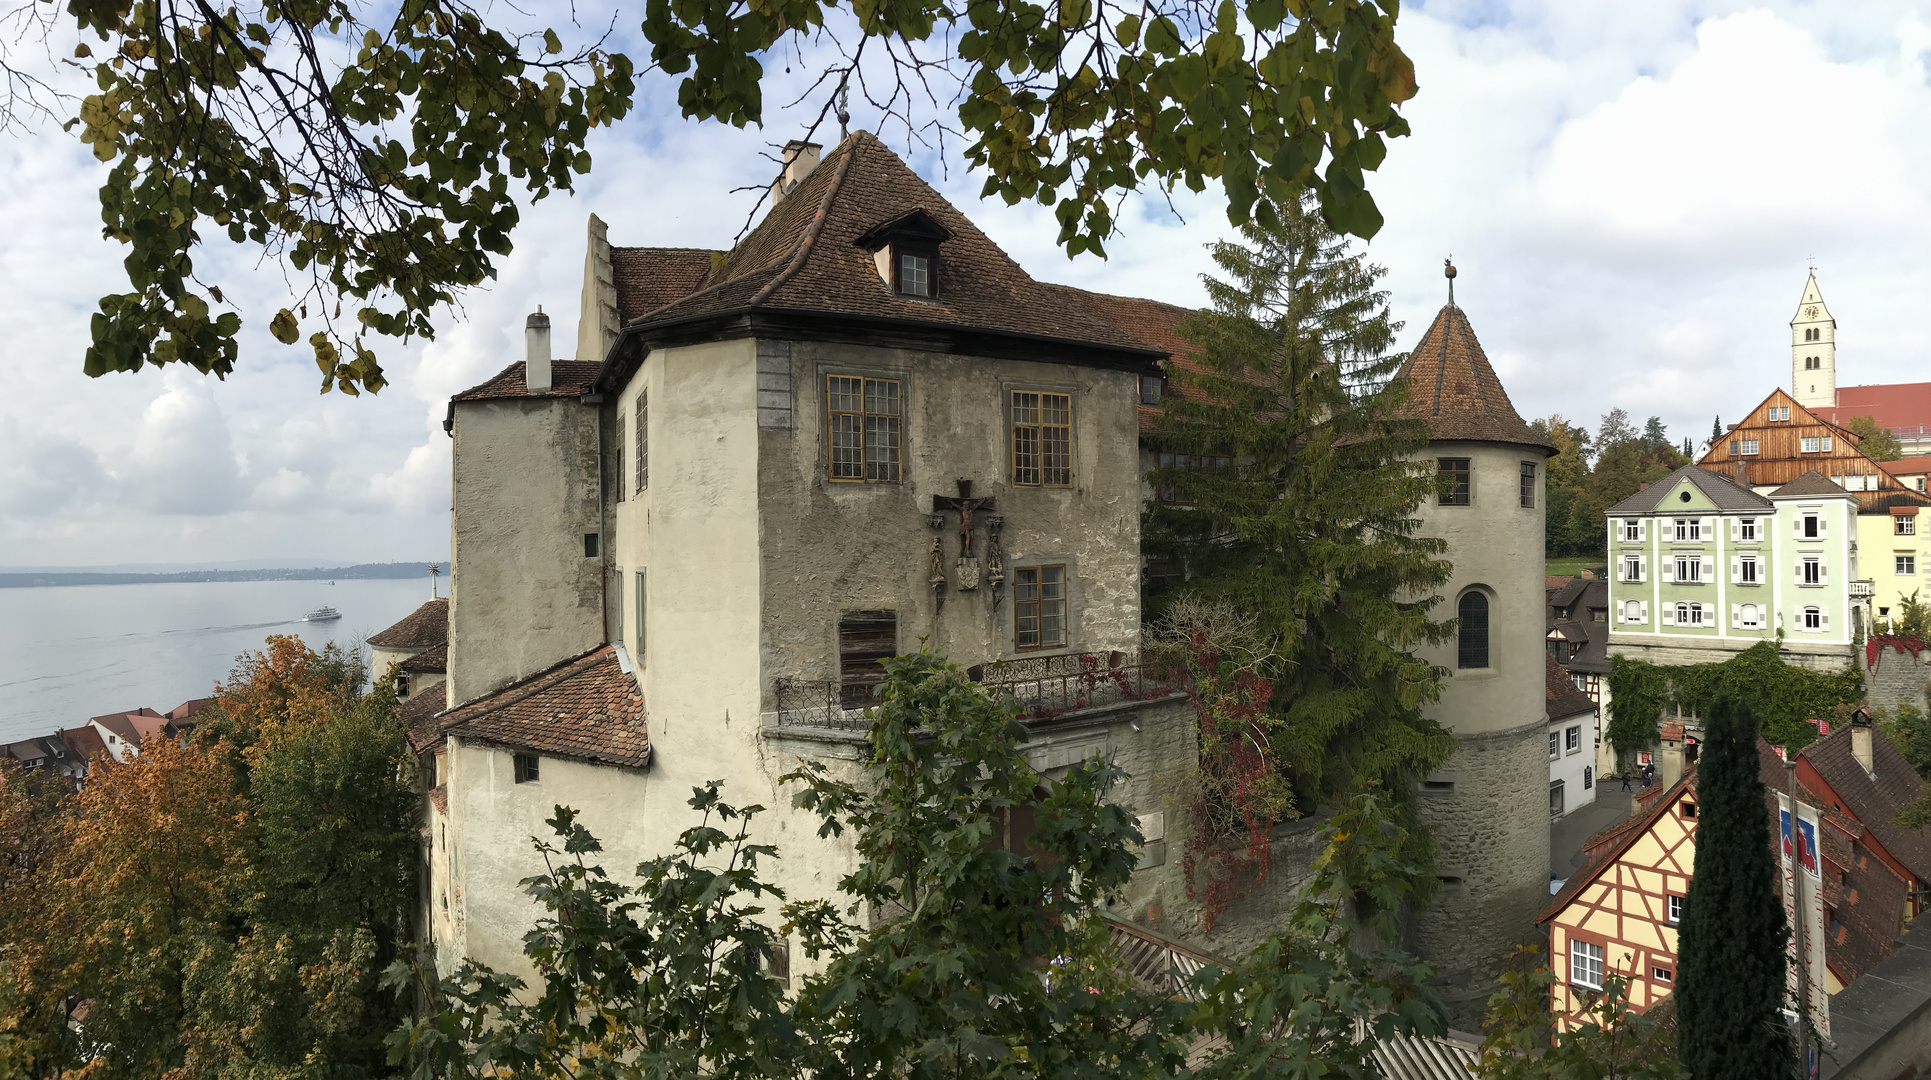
(1898, 678)
(1488, 812)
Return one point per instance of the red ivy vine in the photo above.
(1874, 647)
(1238, 795)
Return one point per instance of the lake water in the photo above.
(77, 651)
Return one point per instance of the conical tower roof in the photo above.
(1452, 386)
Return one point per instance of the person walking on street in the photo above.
(1649, 774)
(1624, 777)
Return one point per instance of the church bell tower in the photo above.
(1813, 351)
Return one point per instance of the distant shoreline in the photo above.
(359, 572)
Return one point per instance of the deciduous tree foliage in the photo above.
(987, 958)
(1310, 525)
(1607, 1040)
(379, 154)
(1730, 952)
(226, 904)
(1878, 442)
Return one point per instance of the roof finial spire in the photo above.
(1448, 271)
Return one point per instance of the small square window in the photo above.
(1689, 809)
(526, 768)
(1152, 388)
(1585, 964)
(1675, 910)
(1663, 975)
(589, 545)
(1572, 739)
(1904, 526)
(1454, 475)
(1749, 446)
(1907, 565)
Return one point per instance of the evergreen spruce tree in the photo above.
(1730, 953)
(1306, 515)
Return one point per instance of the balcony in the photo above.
(1041, 688)
(1863, 589)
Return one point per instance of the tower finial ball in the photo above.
(1448, 268)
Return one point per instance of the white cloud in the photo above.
(1632, 192)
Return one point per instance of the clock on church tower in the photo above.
(1813, 351)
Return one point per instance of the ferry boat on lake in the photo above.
(322, 614)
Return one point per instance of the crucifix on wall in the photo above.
(967, 568)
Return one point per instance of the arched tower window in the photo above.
(1471, 647)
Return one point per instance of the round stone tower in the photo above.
(1487, 808)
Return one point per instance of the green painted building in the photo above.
(1701, 568)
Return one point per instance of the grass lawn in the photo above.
(1571, 567)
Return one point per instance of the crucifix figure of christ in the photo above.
(965, 505)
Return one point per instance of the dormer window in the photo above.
(906, 251)
(915, 273)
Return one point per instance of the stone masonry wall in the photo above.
(1491, 832)
(1898, 678)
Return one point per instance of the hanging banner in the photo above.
(1803, 879)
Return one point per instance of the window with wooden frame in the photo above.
(1042, 439)
(1039, 607)
(1453, 473)
(1904, 526)
(864, 639)
(863, 425)
(643, 439)
(916, 271)
(526, 769)
(1528, 484)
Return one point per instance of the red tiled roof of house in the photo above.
(418, 716)
(84, 742)
(433, 659)
(427, 625)
(1907, 466)
(121, 724)
(568, 378)
(648, 278)
(1905, 406)
(1563, 698)
(1670, 730)
(189, 708)
(1608, 846)
(1875, 801)
(1452, 386)
(586, 707)
(806, 257)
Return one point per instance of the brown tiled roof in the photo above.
(587, 708)
(1452, 386)
(568, 378)
(418, 715)
(1564, 699)
(435, 659)
(1811, 483)
(427, 625)
(188, 709)
(1907, 466)
(1722, 492)
(1875, 802)
(84, 742)
(648, 278)
(1555, 581)
(804, 257)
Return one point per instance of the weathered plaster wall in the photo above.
(380, 658)
(492, 820)
(522, 594)
(831, 547)
(1488, 807)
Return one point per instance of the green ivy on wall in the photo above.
(1784, 696)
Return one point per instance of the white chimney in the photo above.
(536, 352)
(1861, 742)
(800, 158)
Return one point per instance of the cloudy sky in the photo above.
(1631, 190)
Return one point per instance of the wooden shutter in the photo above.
(1669, 568)
(1736, 569)
(1709, 529)
(1669, 613)
(1823, 525)
(1642, 568)
(1823, 572)
(1643, 609)
(864, 638)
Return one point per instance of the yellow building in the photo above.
(1895, 557)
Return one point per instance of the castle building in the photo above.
(679, 556)
(1487, 807)
(1904, 408)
